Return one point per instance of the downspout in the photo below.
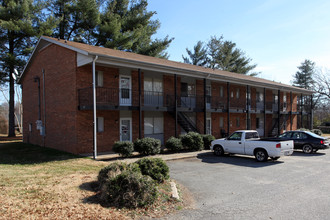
(44, 105)
(94, 111)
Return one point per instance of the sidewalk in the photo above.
(112, 157)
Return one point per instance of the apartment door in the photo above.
(125, 94)
(125, 129)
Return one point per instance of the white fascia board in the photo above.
(115, 61)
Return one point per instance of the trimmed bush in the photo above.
(129, 189)
(192, 141)
(207, 139)
(123, 148)
(113, 170)
(156, 168)
(147, 146)
(317, 131)
(174, 144)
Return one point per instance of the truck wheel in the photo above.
(275, 158)
(218, 151)
(261, 155)
(307, 149)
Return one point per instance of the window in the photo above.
(153, 85)
(221, 122)
(30, 127)
(285, 135)
(237, 93)
(153, 125)
(236, 136)
(237, 122)
(260, 97)
(221, 91)
(100, 124)
(187, 89)
(231, 94)
(275, 98)
(99, 78)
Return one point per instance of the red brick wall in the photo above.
(238, 102)
(253, 121)
(294, 102)
(216, 130)
(242, 121)
(61, 98)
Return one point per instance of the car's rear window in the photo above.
(250, 135)
(313, 134)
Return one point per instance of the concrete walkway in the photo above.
(112, 157)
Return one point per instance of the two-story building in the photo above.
(81, 99)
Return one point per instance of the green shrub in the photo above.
(192, 141)
(156, 168)
(207, 139)
(317, 131)
(147, 146)
(129, 189)
(123, 148)
(113, 170)
(174, 144)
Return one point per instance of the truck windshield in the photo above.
(235, 136)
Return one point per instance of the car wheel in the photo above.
(275, 158)
(218, 151)
(261, 155)
(307, 149)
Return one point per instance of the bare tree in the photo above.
(322, 85)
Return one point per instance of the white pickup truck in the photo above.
(248, 142)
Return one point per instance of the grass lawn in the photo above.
(41, 183)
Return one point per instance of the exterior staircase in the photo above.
(185, 122)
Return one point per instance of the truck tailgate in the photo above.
(287, 147)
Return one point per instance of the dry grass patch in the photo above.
(41, 183)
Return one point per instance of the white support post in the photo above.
(94, 111)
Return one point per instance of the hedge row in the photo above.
(132, 185)
(145, 146)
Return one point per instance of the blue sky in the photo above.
(277, 35)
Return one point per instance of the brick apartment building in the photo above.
(139, 96)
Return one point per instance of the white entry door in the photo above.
(125, 129)
(125, 94)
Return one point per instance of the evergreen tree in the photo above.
(77, 19)
(21, 22)
(198, 56)
(220, 54)
(225, 56)
(304, 77)
(127, 25)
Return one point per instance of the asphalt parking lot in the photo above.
(238, 187)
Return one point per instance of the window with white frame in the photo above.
(237, 93)
(99, 78)
(153, 125)
(100, 124)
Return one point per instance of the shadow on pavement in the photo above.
(302, 154)
(246, 161)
